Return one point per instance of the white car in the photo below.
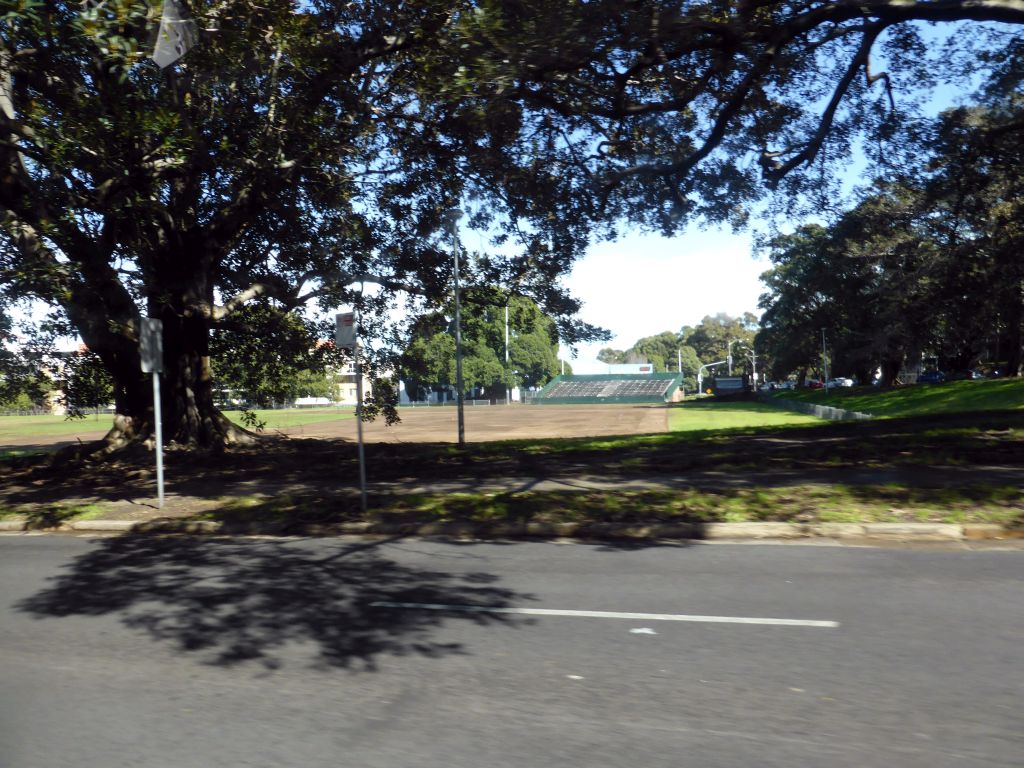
(840, 382)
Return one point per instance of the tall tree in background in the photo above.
(711, 338)
(428, 364)
(977, 192)
(929, 269)
(664, 351)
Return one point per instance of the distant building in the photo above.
(345, 385)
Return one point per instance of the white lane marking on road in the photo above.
(642, 631)
(609, 614)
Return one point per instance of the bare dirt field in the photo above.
(438, 424)
(499, 422)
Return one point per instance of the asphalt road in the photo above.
(183, 652)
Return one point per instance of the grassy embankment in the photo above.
(919, 400)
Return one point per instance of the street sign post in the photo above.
(151, 352)
(346, 336)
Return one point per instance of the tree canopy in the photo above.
(293, 155)
(695, 110)
(301, 151)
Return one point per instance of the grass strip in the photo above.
(294, 417)
(806, 504)
(52, 515)
(704, 415)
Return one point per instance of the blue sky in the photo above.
(644, 284)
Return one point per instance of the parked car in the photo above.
(814, 384)
(840, 382)
(931, 377)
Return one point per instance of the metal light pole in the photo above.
(508, 389)
(452, 217)
(728, 354)
(824, 361)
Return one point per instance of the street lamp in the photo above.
(824, 361)
(451, 218)
(508, 384)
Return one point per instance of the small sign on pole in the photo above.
(151, 352)
(176, 34)
(345, 330)
(151, 345)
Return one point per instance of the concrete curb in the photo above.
(751, 531)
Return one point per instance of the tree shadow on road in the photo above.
(232, 601)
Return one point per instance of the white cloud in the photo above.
(642, 285)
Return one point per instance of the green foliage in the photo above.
(86, 384)
(265, 355)
(719, 335)
(664, 351)
(428, 362)
(23, 380)
(927, 267)
(696, 110)
(298, 152)
(251, 421)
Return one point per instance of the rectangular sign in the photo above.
(177, 33)
(345, 330)
(151, 345)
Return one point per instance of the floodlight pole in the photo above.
(824, 362)
(508, 389)
(453, 217)
(358, 366)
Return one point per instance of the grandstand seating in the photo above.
(620, 388)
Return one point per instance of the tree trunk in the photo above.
(1015, 330)
(891, 370)
(190, 417)
(109, 324)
